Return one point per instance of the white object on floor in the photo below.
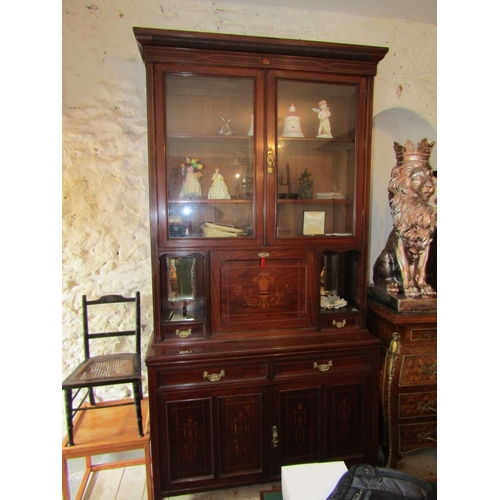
(310, 481)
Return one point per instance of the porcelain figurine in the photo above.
(226, 128)
(191, 171)
(292, 126)
(218, 190)
(324, 130)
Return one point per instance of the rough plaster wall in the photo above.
(106, 245)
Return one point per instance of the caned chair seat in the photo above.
(101, 368)
(106, 369)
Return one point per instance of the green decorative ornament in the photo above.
(305, 185)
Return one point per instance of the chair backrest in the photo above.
(111, 299)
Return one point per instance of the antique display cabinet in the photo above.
(259, 164)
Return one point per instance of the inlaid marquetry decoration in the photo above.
(239, 430)
(300, 430)
(344, 419)
(418, 368)
(240, 435)
(190, 438)
(262, 292)
(417, 404)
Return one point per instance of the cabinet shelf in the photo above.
(334, 143)
(206, 201)
(210, 137)
(341, 201)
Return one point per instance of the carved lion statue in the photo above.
(401, 267)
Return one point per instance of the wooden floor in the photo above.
(130, 483)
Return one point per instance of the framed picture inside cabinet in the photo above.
(314, 222)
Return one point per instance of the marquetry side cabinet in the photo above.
(259, 168)
(408, 379)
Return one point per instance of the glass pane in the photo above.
(181, 279)
(316, 159)
(182, 288)
(210, 156)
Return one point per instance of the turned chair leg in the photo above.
(137, 399)
(68, 403)
(91, 396)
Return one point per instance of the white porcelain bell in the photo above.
(292, 124)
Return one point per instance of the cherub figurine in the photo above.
(324, 130)
(218, 190)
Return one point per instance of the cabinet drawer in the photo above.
(321, 364)
(415, 436)
(211, 373)
(183, 332)
(418, 369)
(422, 333)
(417, 404)
(339, 321)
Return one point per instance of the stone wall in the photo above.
(106, 245)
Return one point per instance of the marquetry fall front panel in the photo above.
(254, 293)
(408, 379)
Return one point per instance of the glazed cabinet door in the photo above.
(315, 147)
(209, 133)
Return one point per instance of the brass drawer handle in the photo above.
(183, 334)
(213, 377)
(428, 435)
(427, 405)
(430, 369)
(339, 324)
(323, 368)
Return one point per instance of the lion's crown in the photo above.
(409, 151)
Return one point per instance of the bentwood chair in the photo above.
(105, 369)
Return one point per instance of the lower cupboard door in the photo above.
(211, 438)
(297, 430)
(188, 453)
(346, 420)
(240, 428)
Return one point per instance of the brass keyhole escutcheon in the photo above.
(275, 436)
(270, 161)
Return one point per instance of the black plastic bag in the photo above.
(366, 482)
